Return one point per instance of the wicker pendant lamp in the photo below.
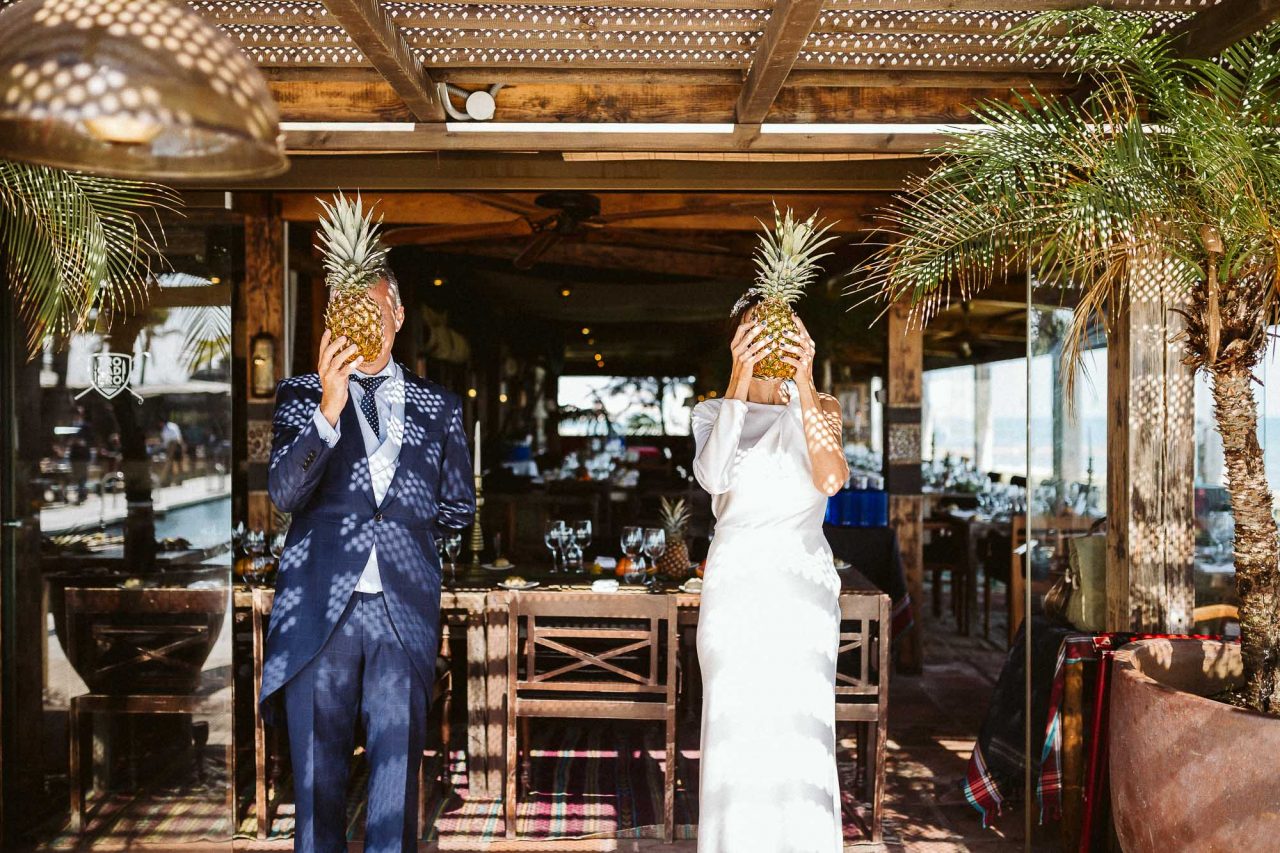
(132, 88)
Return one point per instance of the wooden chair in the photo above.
(862, 689)
(605, 656)
(153, 642)
(264, 753)
(950, 553)
(1215, 618)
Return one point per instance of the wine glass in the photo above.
(554, 535)
(632, 543)
(237, 539)
(452, 547)
(277, 547)
(582, 533)
(1221, 524)
(655, 545)
(571, 551)
(255, 545)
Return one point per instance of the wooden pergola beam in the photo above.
(385, 48)
(1223, 25)
(449, 172)
(779, 46)
(745, 138)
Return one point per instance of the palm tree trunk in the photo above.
(1257, 572)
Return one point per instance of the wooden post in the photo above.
(262, 307)
(1150, 461)
(903, 397)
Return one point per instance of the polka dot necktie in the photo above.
(368, 404)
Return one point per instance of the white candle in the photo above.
(477, 447)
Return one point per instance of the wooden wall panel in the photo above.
(262, 307)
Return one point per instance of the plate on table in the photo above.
(841, 565)
(518, 587)
(693, 585)
(494, 567)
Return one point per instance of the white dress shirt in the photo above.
(382, 449)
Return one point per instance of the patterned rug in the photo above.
(587, 780)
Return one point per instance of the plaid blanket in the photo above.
(996, 770)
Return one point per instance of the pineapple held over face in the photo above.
(786, 260)
(354, 260)
(674, 562)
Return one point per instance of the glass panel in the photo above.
(1215, 579)
(118, 654)
(1065, 512)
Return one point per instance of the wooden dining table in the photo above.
(478, 605)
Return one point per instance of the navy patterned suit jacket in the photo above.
(336, 522)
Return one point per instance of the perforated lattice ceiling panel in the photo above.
(870, 34)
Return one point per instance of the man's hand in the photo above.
(334, 372)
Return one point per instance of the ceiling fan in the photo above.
(568, 216)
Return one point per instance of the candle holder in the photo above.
(477, 534)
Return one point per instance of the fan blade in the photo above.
(627, 237)
(437, 235)
(501, 201)
(683, 210)
(536, 248)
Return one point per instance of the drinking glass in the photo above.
(632, 543)
(237, 539)
(582, 533)
(255, 545)
(655, 545)
(452, 547)
(277, 547)
(554, 536)
(571, 552)
(1222, 528)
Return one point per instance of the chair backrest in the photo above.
(862, 656)
(604, 643)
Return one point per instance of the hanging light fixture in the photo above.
(132, 88)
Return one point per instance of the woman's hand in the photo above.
(748, 347)
(334, 372)
(800, 353)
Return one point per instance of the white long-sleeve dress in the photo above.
(768, 631)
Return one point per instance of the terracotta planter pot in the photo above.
(1189, 773)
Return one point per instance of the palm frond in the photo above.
(206, 335)
(75, 244)
(1161, 149)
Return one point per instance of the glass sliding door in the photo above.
(117, 564)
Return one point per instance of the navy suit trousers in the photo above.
(362, 672)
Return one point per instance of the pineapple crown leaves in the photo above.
(787, 257)
(675, 515)
(352, 253)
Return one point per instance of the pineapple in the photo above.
(354, 260)
(674, 562)
(787, 260)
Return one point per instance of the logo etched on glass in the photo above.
(109, 374)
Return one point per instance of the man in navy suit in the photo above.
(372, 462)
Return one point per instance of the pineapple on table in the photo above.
(354, 260)
(674, 562)
(786, 261)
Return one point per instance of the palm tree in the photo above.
(1166, 159)
(76, 246)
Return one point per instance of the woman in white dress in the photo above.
(770, 454)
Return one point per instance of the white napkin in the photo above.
(604, 585)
